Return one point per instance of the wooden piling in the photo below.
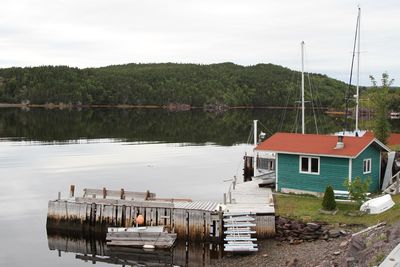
(98, 214)
(104, 193)
(72, 191)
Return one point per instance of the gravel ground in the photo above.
(275, 253)
(367, 249)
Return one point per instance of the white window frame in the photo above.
(309, 165)
(367, 166)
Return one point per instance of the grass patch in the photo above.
(306, 208)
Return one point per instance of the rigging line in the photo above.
(294, 126)
(287, 104)
(319, 104)
(351, 73)
(296, 122)
(247, 142)
(311, 94)
(312, 103)
(265, 127)
(298, 109)
(251, 130)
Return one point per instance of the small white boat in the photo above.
(377, 205)
(141, 237)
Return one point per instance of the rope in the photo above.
(312, 103)
(311, 95)
(265, 127)
(351, 74)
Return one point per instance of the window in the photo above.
(265, 163)
(367, 166)
(309, 165)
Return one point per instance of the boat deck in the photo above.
(249, 197)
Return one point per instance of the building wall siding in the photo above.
(333, 171)
(358, 164)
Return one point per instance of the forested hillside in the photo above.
(162, 84)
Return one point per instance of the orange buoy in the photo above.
(139, 219)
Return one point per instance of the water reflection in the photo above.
(94, 250)
(153, 125)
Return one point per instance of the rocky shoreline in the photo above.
(318, 244)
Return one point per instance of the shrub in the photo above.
(329, 202)
(358, 189)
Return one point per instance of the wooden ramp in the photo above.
(249, 214)
(248, 197)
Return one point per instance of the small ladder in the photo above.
(238, 230)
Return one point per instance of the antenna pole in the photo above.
(302, 88)
(358, 68)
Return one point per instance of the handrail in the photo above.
(395, 184)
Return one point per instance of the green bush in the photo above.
(329, 202)
(358, 189)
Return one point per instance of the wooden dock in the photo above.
(97, 210)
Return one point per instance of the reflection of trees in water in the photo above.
(153, 125)
(95, 250)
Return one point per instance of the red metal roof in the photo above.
(315, 144)
(394, 139)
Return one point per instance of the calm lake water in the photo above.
(174, 154)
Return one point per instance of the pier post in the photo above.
(72, 191)
(104, 193)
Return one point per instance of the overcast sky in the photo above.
(89, 33)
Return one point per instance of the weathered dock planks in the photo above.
(248, 197)
(190, 220)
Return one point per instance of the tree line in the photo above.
(162, 84)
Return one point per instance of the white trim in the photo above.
(307, 154)
(276, 172)
(350, 169)
(309, 165)
(328, 155)
(378, 142)
(379, 175)
(368, 165)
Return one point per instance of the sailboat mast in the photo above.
(302, 88)
(358, 67)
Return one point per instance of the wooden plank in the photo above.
(240, 232)
(241, 224)
(239, 219)
(153, 204)
(129, 195)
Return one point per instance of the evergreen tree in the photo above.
(380, 101)
(329, 202)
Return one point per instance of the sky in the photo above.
(92, 33)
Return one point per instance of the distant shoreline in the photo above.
(174, 107)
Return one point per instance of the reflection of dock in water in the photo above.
(96, 251)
